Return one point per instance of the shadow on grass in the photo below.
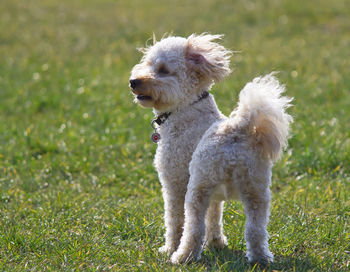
(235, 260)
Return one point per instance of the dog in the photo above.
(203, 157)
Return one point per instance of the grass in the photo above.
(78, 191)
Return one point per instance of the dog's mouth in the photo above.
(143, 97)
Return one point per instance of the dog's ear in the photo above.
(207, 57)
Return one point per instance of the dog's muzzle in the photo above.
(134, 84)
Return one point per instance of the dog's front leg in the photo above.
(196, 205)
(173, 218)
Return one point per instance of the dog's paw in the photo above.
(180, 257)
(263, 259)
(166, 250)
(217, 242)
(185, 256)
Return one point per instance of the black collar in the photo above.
(203, 95)
(161, 118)
(164, 116)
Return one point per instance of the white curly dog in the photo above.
(204, 157)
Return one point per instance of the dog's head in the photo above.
(175, 70)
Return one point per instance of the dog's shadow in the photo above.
(234, 260)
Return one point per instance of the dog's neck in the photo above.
(197, 116)
(203, 109)
(161, 117)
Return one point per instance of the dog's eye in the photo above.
(163, 70)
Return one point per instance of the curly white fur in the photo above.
(204, 157)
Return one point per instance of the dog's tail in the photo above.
(262, 109)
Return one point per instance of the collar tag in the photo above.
(159, 120)
(155, 137)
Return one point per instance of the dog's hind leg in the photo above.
(256, 206)
(214, 236)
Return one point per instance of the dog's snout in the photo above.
(135, 82)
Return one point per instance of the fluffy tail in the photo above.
(262, 109)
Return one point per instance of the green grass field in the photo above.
(78, 191)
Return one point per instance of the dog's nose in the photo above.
(134, 83)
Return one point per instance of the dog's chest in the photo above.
(174, 152)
